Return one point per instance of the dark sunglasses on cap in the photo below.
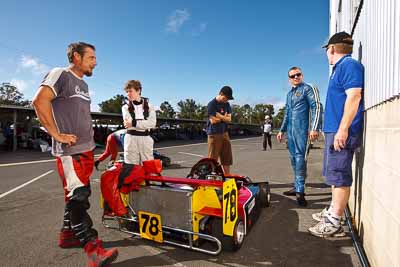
(295, 75)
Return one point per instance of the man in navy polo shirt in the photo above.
(343, 126)
(219, 115)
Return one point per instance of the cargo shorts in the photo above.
(337, 165)
(219, 147)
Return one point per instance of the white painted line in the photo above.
(26, 162)
(197, 144)
(25, 184)
(190, 154)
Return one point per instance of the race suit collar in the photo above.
(295, 87)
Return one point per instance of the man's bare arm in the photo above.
(42, 104)
(214, 120)
(227, 117)
(350, 110)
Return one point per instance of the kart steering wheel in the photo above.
(204, 168)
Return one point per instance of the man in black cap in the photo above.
(219, 115)
(343, 127)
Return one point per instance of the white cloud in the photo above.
(176, 20)
(32, 64)
(20, 84)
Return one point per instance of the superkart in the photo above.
(207, 211)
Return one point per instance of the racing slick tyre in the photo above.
(265, 194)
(229, 243)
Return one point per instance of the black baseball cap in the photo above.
(226, 91)
(339, 38)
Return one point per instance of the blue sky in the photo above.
(178, 49)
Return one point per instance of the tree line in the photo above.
(186, 109)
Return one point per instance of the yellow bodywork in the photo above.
(230, 209)
(203, 196)
(206, 196)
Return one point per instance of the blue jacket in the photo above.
(302, 110)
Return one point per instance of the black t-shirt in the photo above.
(213, 107)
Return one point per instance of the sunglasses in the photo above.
(295, 75)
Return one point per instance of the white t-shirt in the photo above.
(267, 127)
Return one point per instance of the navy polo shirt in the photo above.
(212, 108)
(346, 74)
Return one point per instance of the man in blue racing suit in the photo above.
(301, 122)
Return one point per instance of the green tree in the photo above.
(112, 105)
(237, 114)
(277, 120)
(187, 109)
(166, 110)
(259, 112)
(201, 112)
(10, 95)
(247, 111)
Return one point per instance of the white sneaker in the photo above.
(326, 229)
(324, 213)
(320, 215)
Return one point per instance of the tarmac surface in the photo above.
(32, 204)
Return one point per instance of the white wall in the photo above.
(375, 198)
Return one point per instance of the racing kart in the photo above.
(207, 211)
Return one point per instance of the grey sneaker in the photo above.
(320, 215)
(326, 229)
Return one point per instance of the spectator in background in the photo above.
(8, 134)
(267, 132)
(219, 115)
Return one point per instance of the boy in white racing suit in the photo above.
(139, 118)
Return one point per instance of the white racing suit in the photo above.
(138, 144)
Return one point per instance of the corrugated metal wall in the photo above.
(376, 43)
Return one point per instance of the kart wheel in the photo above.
(265, 194)
(229, 243)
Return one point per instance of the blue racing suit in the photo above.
(302, 114)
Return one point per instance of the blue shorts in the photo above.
(337, 164)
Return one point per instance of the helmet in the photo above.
(267, 117)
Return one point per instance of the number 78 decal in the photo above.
(150, 226)
(230, 210)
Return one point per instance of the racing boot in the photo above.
(97, 255)
(67, 239)
(291, 192)
(301, 200)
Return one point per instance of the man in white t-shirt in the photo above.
(267, 132)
